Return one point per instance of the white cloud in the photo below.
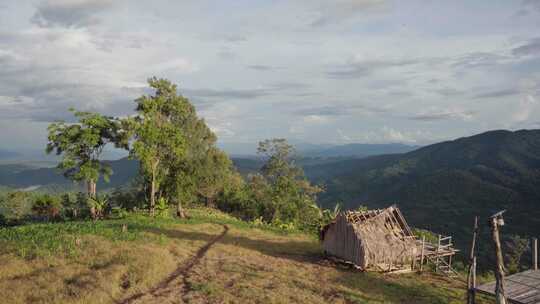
(525, 108)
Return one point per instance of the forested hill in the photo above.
(441, 187)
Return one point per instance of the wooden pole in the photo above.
(422, 254)
(495, 222)
(474, 277)
(437, 257)
(471, 278)
(535, 253)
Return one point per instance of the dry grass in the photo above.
(246, 266)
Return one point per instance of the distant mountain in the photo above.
(21, 175)
(443, 186)
(5, 154)
(440, 187)
(358, 150)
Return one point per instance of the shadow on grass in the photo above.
(410, 288)
(301, 251)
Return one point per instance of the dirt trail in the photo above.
(175, 287)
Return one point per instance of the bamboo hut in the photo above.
(375, 239)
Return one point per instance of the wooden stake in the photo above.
(422, 254)
(535, 253)
(471, 277)
(474, 277)
(438, 258)
(495, 222)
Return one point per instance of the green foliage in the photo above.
(156, 135)
(15, 207)
(47, 206)
(514, 248)
(162, 207)
(280, 194)
(99, 204)
(81, 145)
(292, 197)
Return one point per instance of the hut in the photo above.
(375, 239)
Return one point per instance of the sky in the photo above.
(314, 71)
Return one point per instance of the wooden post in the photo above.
(422, 254)
(471, 277)
(437, 257)
(413, 266)
(535, 253)
(496, 221)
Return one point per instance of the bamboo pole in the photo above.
(422, 254)
(495, 222)
(437, 255)
(471, 277)
(535, 253)
(474, 276)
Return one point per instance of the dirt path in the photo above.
(176, 286)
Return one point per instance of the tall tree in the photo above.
(81, 145)
(156, 135)
(202, 168)
(292, 195)
(215, 168)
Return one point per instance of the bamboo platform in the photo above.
(520, 288)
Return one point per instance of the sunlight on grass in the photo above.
(87, 262)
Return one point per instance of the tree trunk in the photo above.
(92, 194)
(500, 297)
(210, 202)
(471, 281)
(153, 192)
(180, 212)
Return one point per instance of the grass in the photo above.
(86, 262)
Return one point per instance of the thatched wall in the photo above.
(379, 240)
(341, 240)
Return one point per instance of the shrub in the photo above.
(47, 207)
(100, 205)
(15, 207)
(162, 207)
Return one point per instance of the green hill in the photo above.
(210, 258)
(443, 186)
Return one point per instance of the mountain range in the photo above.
(439, 187)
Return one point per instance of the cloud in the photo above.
(526, 107)
(178, 64)
(340, 110)
(362, 68)
(227, 93)
(387, 134)
(331, 12)
(260, 67)
(498, 93)
(479, 59)
(531, 48)
(449, 114)
(449, 91)
(70, 13)
(235, 38)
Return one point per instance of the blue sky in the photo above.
(342, 71)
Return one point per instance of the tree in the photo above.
(292, 195)
(156, 135)
(215, 168)
(47, 206)
(81, 145)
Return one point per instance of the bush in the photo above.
(129, 200)
(162, 207)
(47, 207)
(15, 207)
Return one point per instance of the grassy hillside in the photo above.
(211, 258)
(443, 186)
